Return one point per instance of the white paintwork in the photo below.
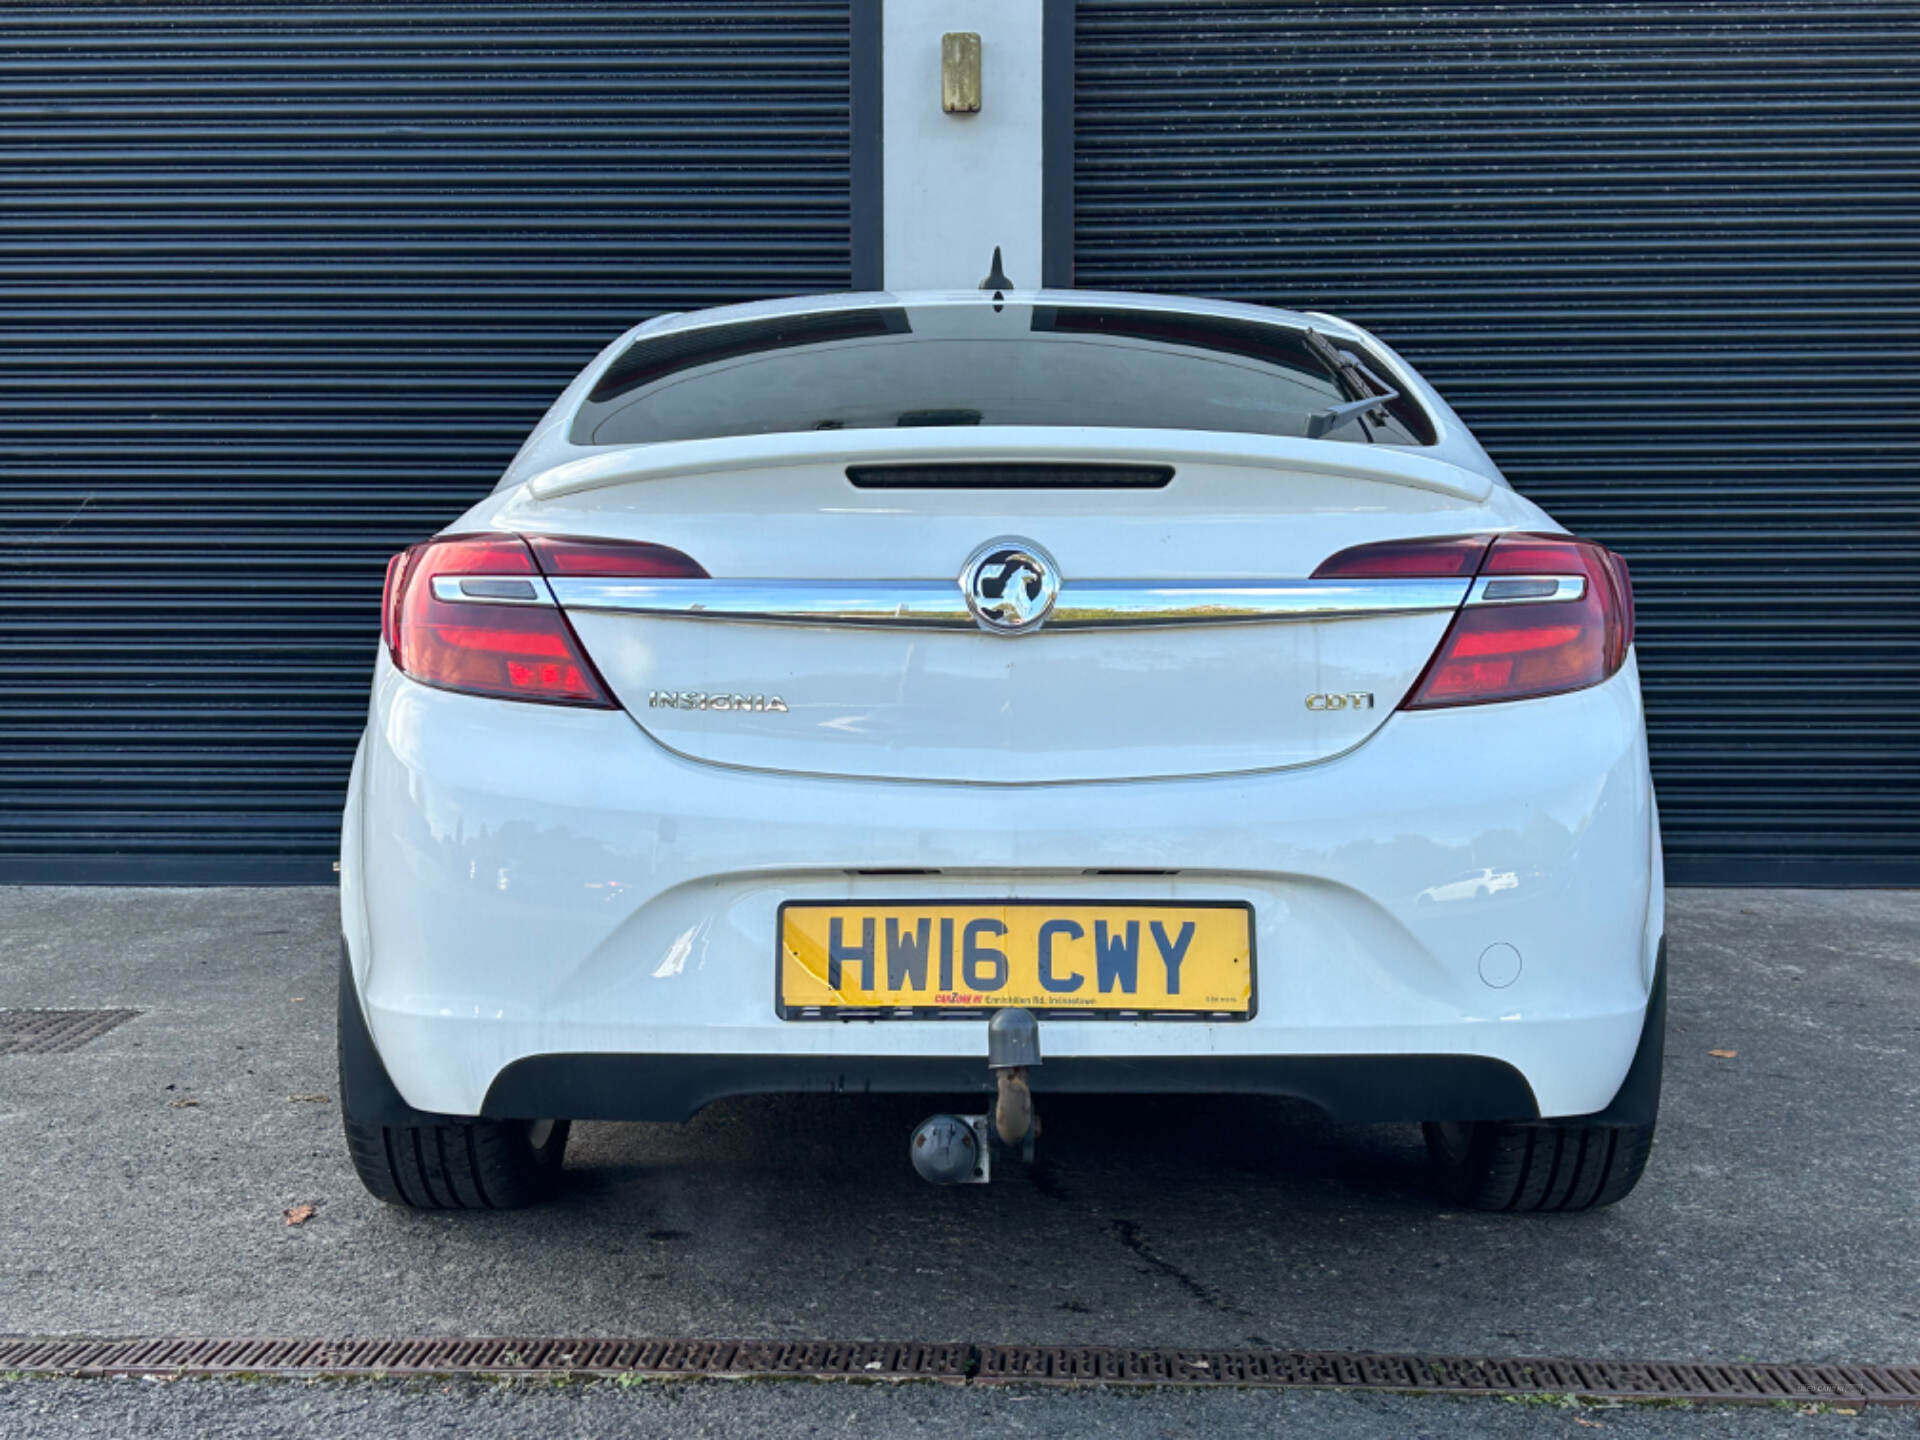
(539, 879)
(523, 879)
(955, 186)
(1054, 706)
(613, 465)
(1063, 705)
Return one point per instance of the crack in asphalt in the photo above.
(1128, 1232)
(1130, 1236)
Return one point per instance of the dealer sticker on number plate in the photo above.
(907, 958)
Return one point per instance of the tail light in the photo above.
(1524, 630)
(474, 614)
(1448, 558)
(613, 559)
(390, 601)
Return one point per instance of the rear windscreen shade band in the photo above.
(1250, 339)
(653, 358)
(1017, 475)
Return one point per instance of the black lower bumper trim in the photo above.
(675, 1087)
(1637, 1102)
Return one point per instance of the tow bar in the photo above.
(958, 1149)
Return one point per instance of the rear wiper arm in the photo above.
(1350, 372)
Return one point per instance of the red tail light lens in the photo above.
(502, 635)
(390, 601)
(513, 651)
(613, 559)
(1517, 651)
(1447, 558)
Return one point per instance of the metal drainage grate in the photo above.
(1453, 1374)
(54, 1032)
(1847, 1385)
(809, 1359)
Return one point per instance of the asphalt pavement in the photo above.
(146, 1176)
(216, 1409)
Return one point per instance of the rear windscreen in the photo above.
(975, 364)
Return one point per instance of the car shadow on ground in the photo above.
(1209, 1220)
(1174, 1146)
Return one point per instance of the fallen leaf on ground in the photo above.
(182, 1103)
(311, 1099)
(298, 1214)
(1590, 1424)
(1723, 1054)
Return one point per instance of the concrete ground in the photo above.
(146, 1176)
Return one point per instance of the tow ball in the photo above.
(958, 1149)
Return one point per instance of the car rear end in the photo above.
(703, 764)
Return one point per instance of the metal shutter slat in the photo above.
(281, 289)
(1564, 213)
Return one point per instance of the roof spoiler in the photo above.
(631, 464)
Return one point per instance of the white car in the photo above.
(1003, 694)
(1484, 881)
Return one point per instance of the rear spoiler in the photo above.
(1383, 464)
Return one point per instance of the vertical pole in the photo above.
(868, 137)
(956, 184)
(1056, 146)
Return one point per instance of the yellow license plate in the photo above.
(916, 958)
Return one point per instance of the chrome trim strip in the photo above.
(492, 589)
(925, 604)
(1091, 604)
(1526, 589)
(1083, 604)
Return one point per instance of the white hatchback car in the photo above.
(1002, 693)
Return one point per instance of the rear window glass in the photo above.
(973, 364)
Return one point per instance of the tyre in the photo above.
(1539, 1166)
(464, 1165)
(434, 1162)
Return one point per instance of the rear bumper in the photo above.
(1347, 1087)
(542, 903)
(676, 1087)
